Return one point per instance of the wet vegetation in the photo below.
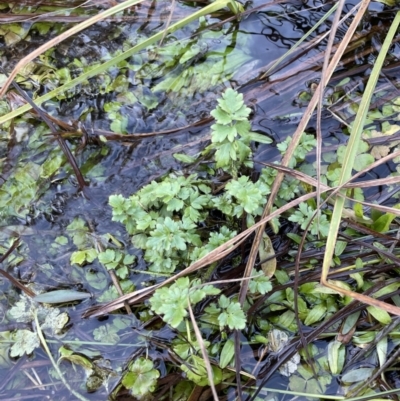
(199, 201)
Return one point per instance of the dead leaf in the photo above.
(266, 253)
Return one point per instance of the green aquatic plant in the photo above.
(141, 378)
(51, 320)
(172, 302)
(306, 214)
(231, 134)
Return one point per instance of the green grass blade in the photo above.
(352, 146)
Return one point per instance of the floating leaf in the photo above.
(358, 375)
(254, 136)
(184, 158)
(59, 296)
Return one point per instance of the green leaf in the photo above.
(223, 132)
(221, 116)
(382, 223)
(231, 101)
(129, 259)
(107, 256)
(175, 205)
(223, 154)
(382, 351)
(336, 356)
(254, 136)
(184, 158)
(358, 375)
(78, 257)
(232, 315)
(25, 343)
(117, 202)
(350, 322)
(227, 353)
(315, 314)
(379, 314)
(91, 255)
(363, 161)
(243, 128)
(249, 195)
(141, 378)
(260, 284)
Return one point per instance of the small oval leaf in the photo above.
(382, 350)
(59, 296)
(379, 314)
(336, 356)
(315, 314)
(358, 375)
(227, 353)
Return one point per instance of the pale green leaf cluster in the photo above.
(228, 313)
(25, 343)
(172, 302)
(260, 283)
(289, 188)
(231, 133)
(116, 260)
(303, 216)
(163, 219)
(51, 320)
(307, 143)
(250, 197)
(196, 371)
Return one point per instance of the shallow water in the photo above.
(125, 166)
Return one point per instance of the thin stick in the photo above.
(55, 366)
(200, 341)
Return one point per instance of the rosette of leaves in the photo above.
(163, 219)
(243, 196)
(231, 134)
(172, 302)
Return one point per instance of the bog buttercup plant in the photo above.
(173, 222)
